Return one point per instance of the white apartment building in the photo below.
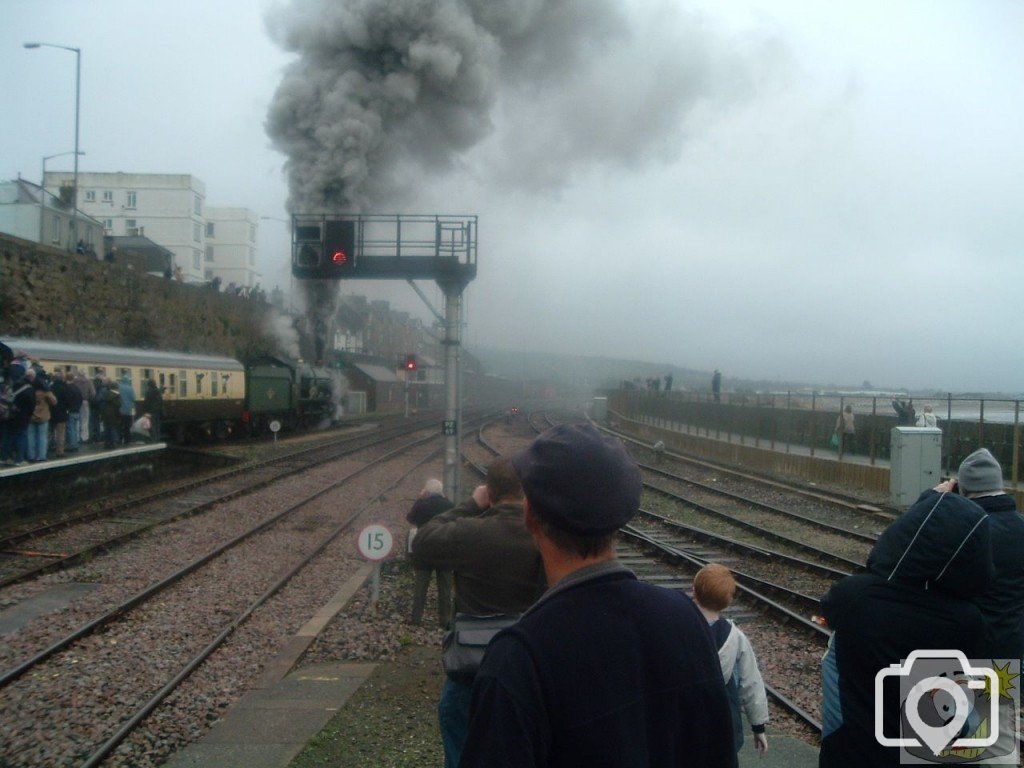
(230, 251)
(166, 208)
(26, 211)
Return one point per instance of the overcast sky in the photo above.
(824, 192)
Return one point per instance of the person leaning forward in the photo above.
(497, 570)
(429, 504)
(604, 671)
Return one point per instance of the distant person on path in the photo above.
(714, 588)
(430, 503)
(716, 385)
(923, 576)
(903, 418)
(927, 418)
(497, 570)
(846, 430)
(604, 670)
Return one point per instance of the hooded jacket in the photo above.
(1003, 604)
(917, 593)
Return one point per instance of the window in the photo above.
(252, 257)
(199, 383)
(208, 274)
(90, 195)
(122, 372)
(108, 196)
(198, 207)
(129, 199)
(209, 229)
(55, 229)
(197, 232)
(209, 253)
(197, 257)
(108, 223)
(182, 383)
(252, 233)
(130, 223)
(167, 380)
(213, 384)
(147, 374)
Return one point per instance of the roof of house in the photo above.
(378, 373)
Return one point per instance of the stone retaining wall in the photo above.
(46, 293)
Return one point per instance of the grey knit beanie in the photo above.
(980, 472)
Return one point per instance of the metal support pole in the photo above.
(452, 327)
(74, 191)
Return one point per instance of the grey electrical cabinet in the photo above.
(916, 454)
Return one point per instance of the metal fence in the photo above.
(783, 421)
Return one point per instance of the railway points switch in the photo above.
(916, 463)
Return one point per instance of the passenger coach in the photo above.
(203, 394)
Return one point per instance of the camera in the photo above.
(940, 692)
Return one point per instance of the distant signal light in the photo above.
(339, 258)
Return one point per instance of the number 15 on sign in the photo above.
(375, 542)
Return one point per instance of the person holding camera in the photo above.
(497, 570)
(919, 591)
(980, 479)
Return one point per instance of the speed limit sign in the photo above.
(375, 542)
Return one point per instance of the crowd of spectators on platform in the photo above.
(53, 413)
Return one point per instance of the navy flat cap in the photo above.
(579, 480)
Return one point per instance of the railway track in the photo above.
(849, 503)
(61, 543)
(298, 533)
(766, 620)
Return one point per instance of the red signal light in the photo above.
(339, 258)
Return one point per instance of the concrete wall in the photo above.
(49, 294)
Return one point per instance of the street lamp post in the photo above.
(78, 94)
(42, 191)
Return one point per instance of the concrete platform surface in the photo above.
(268, 727)
(783, 752)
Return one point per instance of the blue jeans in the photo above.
(453, 716)
(38, 440)
(74, 427)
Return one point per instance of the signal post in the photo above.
(400, 247)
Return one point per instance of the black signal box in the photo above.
(396, 247)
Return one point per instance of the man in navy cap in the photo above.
(603, 670)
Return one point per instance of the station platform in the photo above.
(87, 454)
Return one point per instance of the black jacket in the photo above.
(603, 672)
(1003, 604)
(918, 593)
